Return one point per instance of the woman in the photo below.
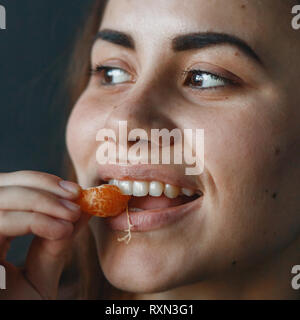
(231, 70)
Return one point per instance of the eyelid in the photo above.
(97, 71)
(225, 82)
(227, 76)
(100, 67)
(117, 64)
(215, 69)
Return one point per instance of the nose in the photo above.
(143, 108)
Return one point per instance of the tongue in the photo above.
(148, 202)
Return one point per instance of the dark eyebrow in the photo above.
(183, 42)
(201, 40)
(116, 37)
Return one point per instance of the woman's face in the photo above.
(246, 100)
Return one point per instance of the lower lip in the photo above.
(153, 219)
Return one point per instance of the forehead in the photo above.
(245, 18)
(262, 24)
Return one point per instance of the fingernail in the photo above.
(69, 186)
(70, 205)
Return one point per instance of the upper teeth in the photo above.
(153, 188)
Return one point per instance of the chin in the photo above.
(139, 282)
(138, 268)
(144, 265)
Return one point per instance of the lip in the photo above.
(153, 219)
(170, 174)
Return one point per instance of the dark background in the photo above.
(34, 53)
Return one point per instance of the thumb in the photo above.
(46, 260)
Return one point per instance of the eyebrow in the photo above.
(116, 37)
(202, 40)
(183, 42)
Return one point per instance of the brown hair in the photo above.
(82, 277)
(80, 61)
(78, 69)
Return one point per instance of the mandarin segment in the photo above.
(103, 201)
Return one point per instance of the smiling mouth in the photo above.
(150, 195)
(153, 204)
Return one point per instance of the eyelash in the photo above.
(98, 69)
(192, 72)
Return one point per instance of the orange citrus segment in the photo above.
(103, 201)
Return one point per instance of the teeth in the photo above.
(156, 188)
(140, 188)
(126, 187)
(171, 191)
(114, 182)
(153, 188)
(187, 192)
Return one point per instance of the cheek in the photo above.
(249, 200)
(72, 136)
(241, 151)
(83, 125)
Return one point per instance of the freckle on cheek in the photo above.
(274, 195)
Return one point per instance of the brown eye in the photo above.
(204, 80)
(112, 75)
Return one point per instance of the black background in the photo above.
(34, 53)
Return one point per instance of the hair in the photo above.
(82, 276)
(80, 61)
(78, 70)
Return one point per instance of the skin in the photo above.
(37, 203)
(244, 240)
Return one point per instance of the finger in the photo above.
(27, 199)
(81, 223)
(46, 260)
(45, 263)
(17, 223)
(41, 180)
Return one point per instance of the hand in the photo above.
(37, 203)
